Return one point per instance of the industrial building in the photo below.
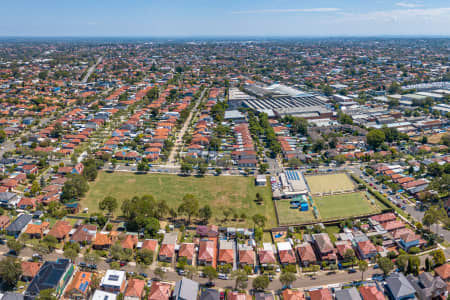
(308, 107)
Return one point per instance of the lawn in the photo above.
(237, 192)
(289, 215)
(329, 183)
(344, 205)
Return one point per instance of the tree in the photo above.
(205, 213)
(190, 271)
(202, 168)
(259, 220)
(349, 255)
(57, 130)
(375, 138)
(50, 241)
(363, 266)
(413, 265)
(402, 262)
(15, 246)
(10, 271)
(241, 279)
(428, 266)
(186, 168)
(211, 273)
(35, 188)
(438, 257)
(109, 204)
(2, 136)
(386, 265)
(143, 167)
(74, 188)
(287, 278)
(263, 168)
(160, 273)
(144, 256)
(70, 253)
(261, 282)
(189, 206)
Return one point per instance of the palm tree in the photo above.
(363, 266)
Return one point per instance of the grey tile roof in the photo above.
(19, 223)
(210, 294)
(348, 294)
(399, 285)
(186, 289)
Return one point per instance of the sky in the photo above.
(188, 18)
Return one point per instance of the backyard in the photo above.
(220, 192)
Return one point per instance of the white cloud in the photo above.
(398, 15)
(286, 10)
(408, 4)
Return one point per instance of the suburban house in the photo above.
(135, 289)
(207, 253)
(4, 222)
(210, 294)
(102, 241)
(406, 238)
(79, 286)
(266, 255)
(226, 252)
(52, 275)
(320, 294)
(371, 293)
(187, 250)
(102, 295)
(306, 254)
(19, 225)
(324, 248)
(30, 270)
(347, 294)
(129, 242)
(149, 244)
(84, 234)
(399, 288)
(159, 291)
(443, 272)
(290, 294)
(114, 281)
(167, 250)
(239, 296)
(185, 289)
(246, 255)
(427, 286)
(9, 200)
(286, 253)
(366, 250)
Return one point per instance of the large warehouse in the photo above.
(308, 106)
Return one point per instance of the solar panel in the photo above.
(113, 277)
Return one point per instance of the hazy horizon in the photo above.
(245, 18)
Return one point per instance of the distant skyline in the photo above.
(257, 18)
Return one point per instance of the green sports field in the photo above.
(344, 205)
(329, 208)
(329, 183)
(237, 192)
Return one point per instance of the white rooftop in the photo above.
(284, 246)
(113, 278)
(102, 295)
